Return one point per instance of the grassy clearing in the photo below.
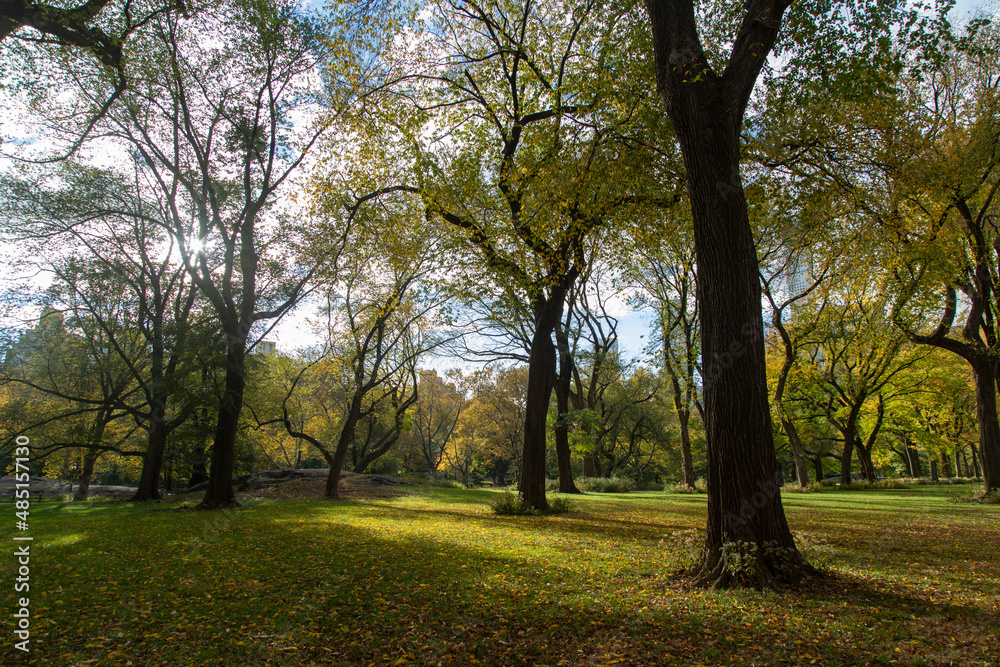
(436, 578)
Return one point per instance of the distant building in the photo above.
(265, 348)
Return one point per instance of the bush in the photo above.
(605, 484)
(552, 486)
(679, 487)
(508, 504)
(559, 505)
(701, 485)
(795, 488)
(865, 485)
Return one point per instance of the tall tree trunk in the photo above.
(934, 470)
(846, 458)
(798, 452)
(946, 466)
(985, 373)
(744, 501)
(343, 444)
(86, 473)
(818, 467)
(867, 465)
(90, 457)
(913, 456)
(220, 494)
(975, 462)
(562, 390)
(541, 370)
(152, 461)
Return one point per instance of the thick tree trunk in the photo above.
(152, 462)
(220, 494)
(86, 473)
(343, 445)
(541, 370)
(985, 374)
(867, 465)
(846, 458)
(916, 468)
(934, 470)
(744, 501)
(818, 467)
(92, 454)
(946, 466)
(562, 390)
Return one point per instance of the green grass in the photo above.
(436, 578)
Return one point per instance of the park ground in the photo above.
(431, 577)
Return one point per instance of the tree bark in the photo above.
(846, 458)
(562, 390)
(946, 466)
(744, 500)
(343, 444)
(220, 494)
(913, 456)
(86, 473)
(985, 374)
(541, 371)
(541, 363)
(101, 421)
(934, 470)
(687, 463)
(798, 453)
(152, 462)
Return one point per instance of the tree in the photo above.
(706, 109)
(85, 28)
(666, 274)
(523, 151)
(436, 413)
(103, 219)
(380, 323)
(212, 124)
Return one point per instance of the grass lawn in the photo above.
(434, 578)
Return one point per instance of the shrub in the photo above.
(865, 485)
(701, 485)
(605, 484)
(552, 486)
(795, 488)
(559, 505)
(679, 487)
(508, 504)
